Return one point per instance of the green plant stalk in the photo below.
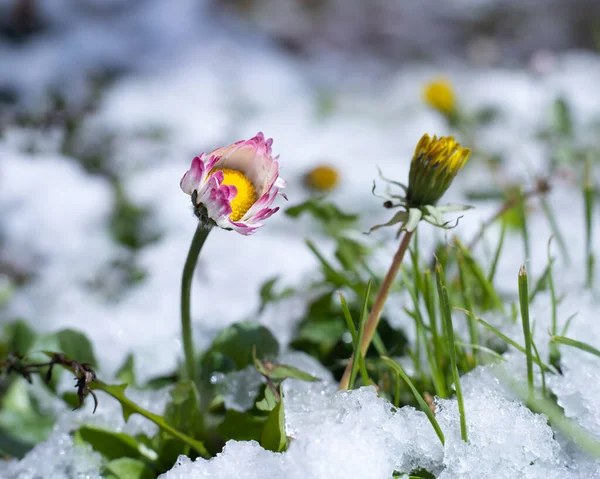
(524, 232)
(539, 358)
(575, 344)
(512, 342)
(340, 280)
(129, 408)
(588, 197)
(416, 315)
(540, 284)
(577, 434)
(198, 240)
(484, 349)
(479, 275)
(552, 290)
(555, 229)
(492, 272)
(424, 406)
(377, 309)
(437, 376)
(568, 323)
(554, 352)
(359, 337)
(132, 408)
(397, 390)
(438, 347)
(524, 302)
(447, 316)
(354, 334)
(467, 300)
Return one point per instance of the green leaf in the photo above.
(268, 402)
(273, 435)
(19, 337)
(238, 340)
(21, 415)
(268, 294)
(118, 392)
(76, 345)
(280, 372)
(241, 426)
(128, 468)
(13, 447)
(350, 252)
(126, 373)
(320, 210)
(168, 449)
(129, 223)
(112, 445)
(562, 117)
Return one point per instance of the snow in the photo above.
(57, 458)
(193, 85)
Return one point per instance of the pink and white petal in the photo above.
(280, 183)
(192, 179)
(265, 213)
(264, 201)
(244, 228)
(211, 163)
(216, 198)
(232, 156)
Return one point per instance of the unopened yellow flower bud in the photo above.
(434, 165)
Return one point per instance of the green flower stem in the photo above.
(375, 315)
(186, 287)
(129, 407)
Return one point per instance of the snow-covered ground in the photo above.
(204, 86)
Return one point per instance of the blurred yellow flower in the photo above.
(322, 178)
(439, 94)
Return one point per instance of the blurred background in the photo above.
(61, 46)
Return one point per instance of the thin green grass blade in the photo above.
(543, 373)
(522, 210)
(494, 266)
(576, 344)
(447, 316)
(468, 302)
(588, 198)
(424, 406)
(478, 274)
(540, 284)
(524, 303)
(484, 349)
(568, 323)
(354, 334)
(554, 354)
(359, 337)
(510, 341)
(578, 435)
(562, 245)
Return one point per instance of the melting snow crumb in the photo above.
(56, 458)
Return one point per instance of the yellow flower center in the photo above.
(322, 178)
(246, 195)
